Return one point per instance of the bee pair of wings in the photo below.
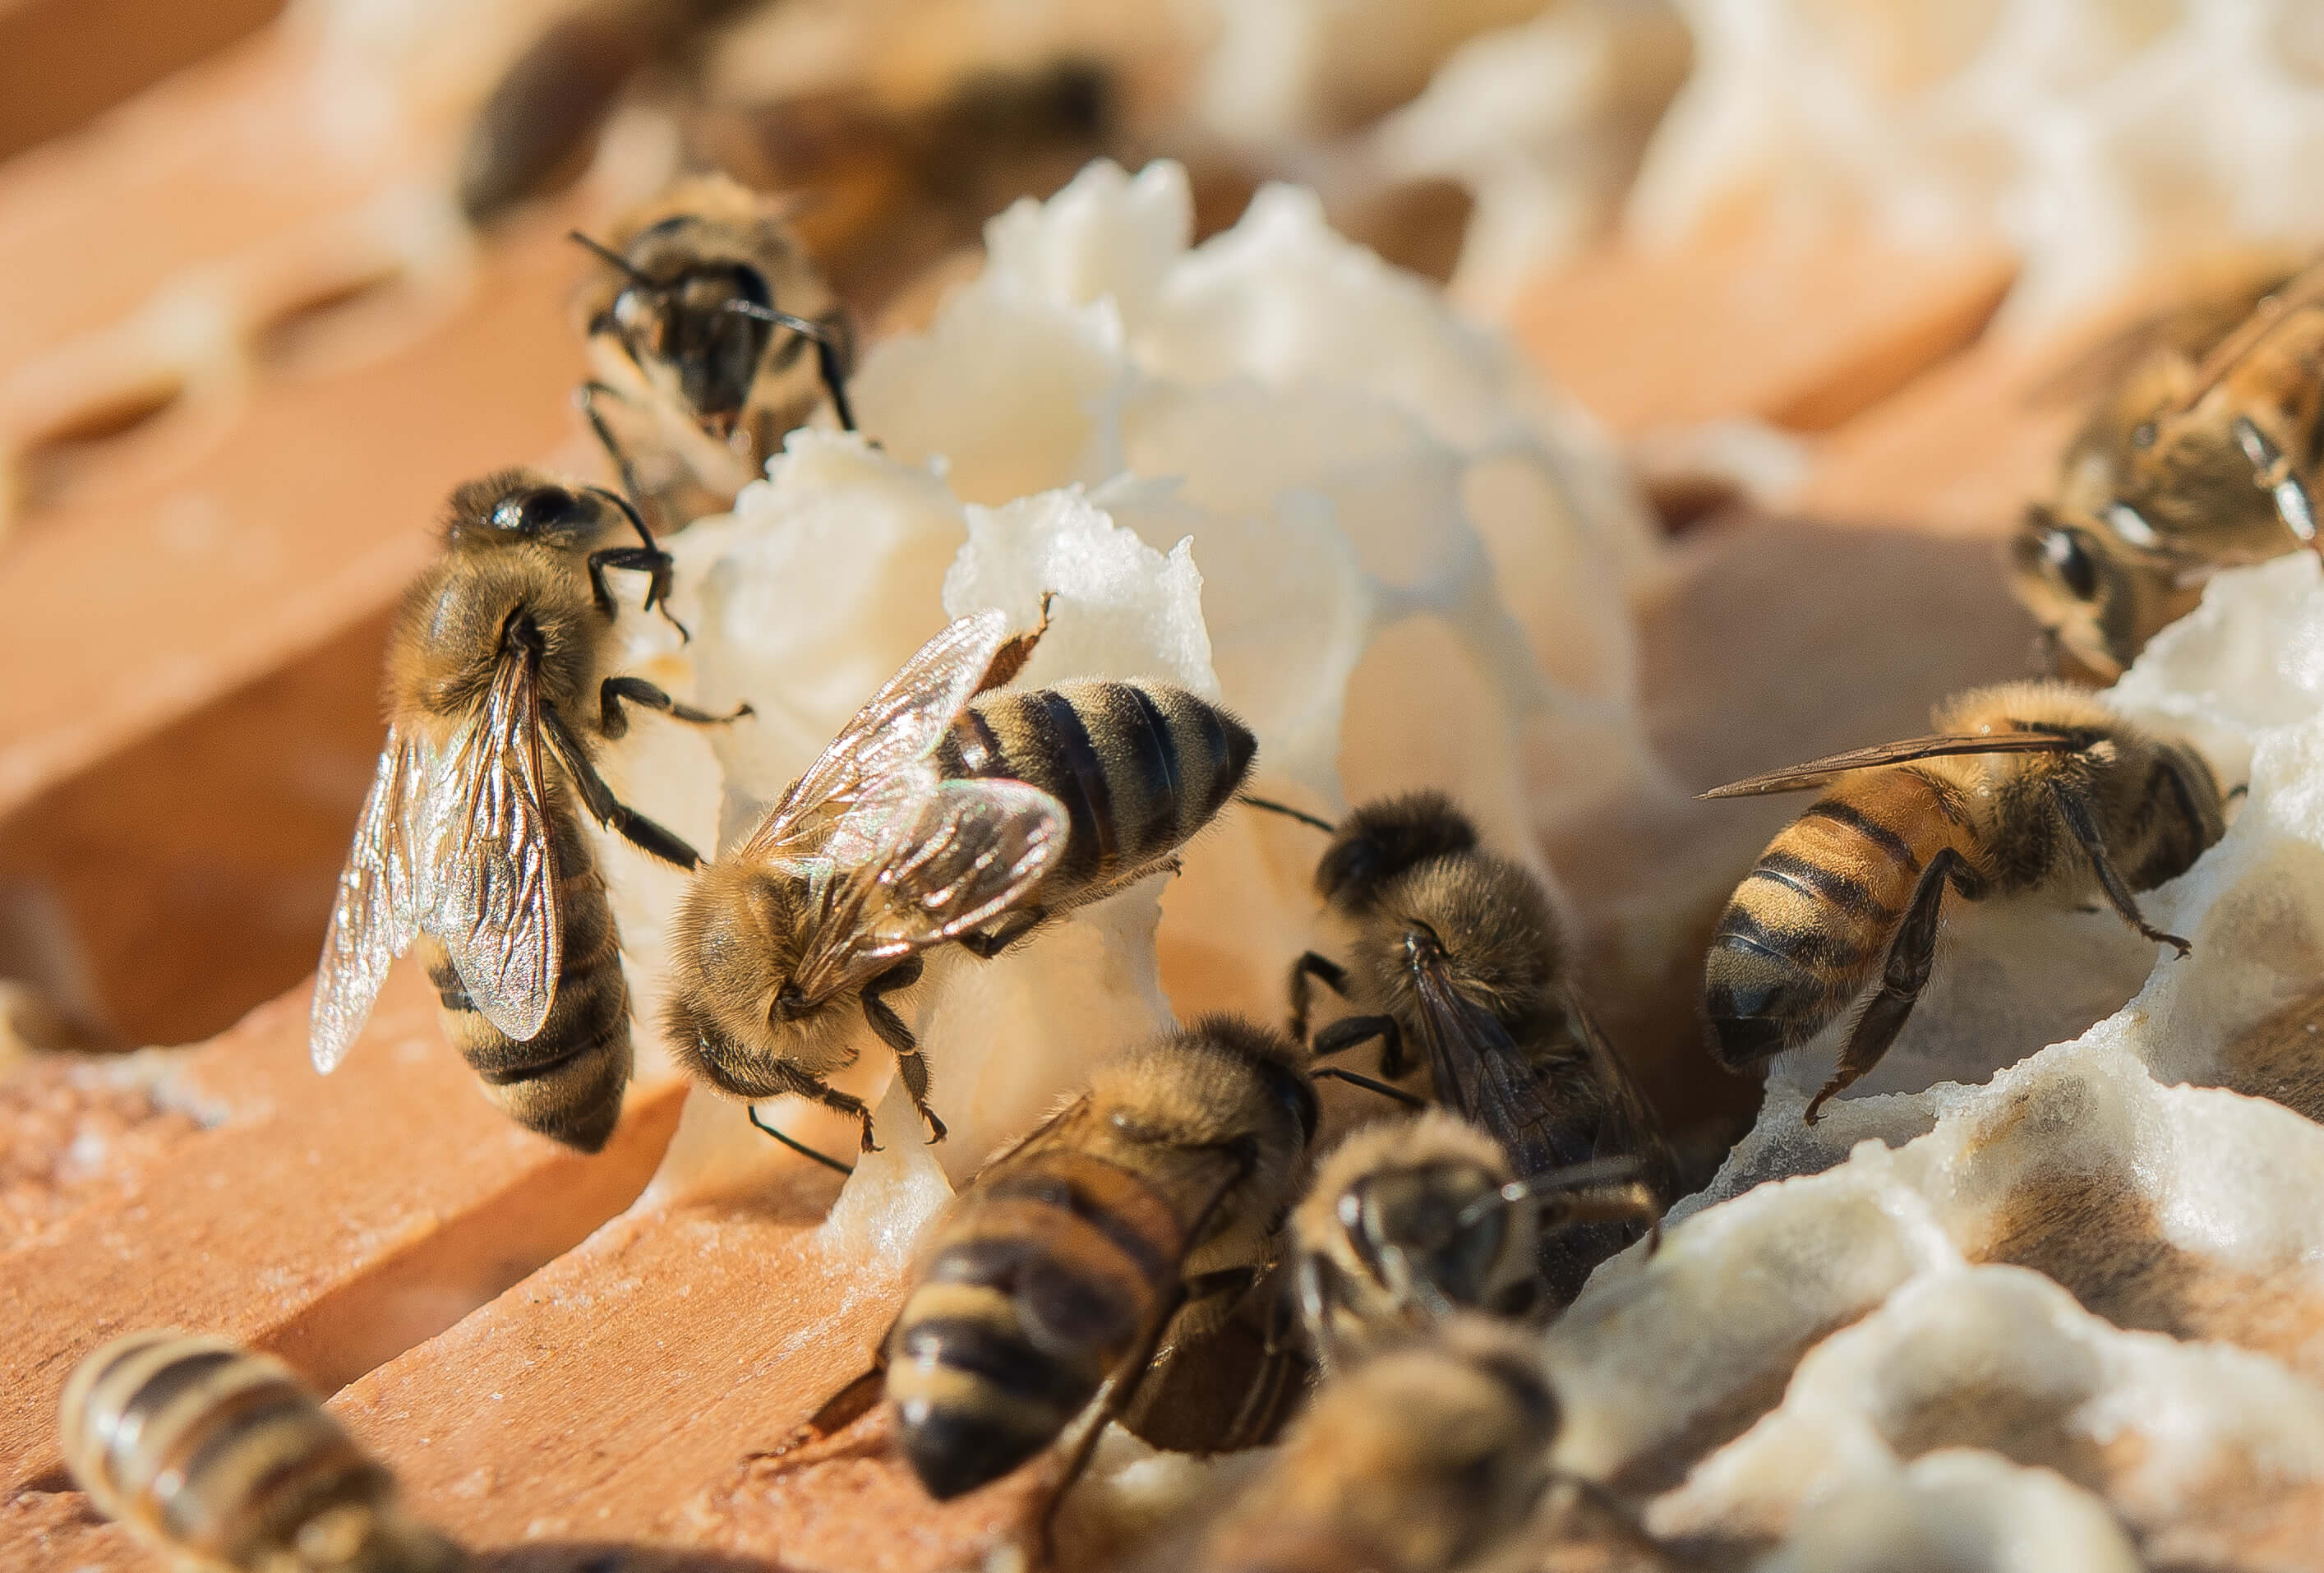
(898, 859)
(457, 842)
(1817, 773)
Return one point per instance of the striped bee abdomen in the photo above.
(221, 1456)
(1032, 1296)
(1810, 925)
(1140, 767)
(566, 1081)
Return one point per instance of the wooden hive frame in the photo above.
(196, 613)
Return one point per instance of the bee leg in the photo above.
(637, 690)
(840, 1411)
(835, 378)
(1320, 968)
(910, 1064)
(1016, 651)
(986, 944)
(2078, 819)
(795, 1144)
(1350, 1031)
(651, 560)
(1901, 978)
(608, 810)
(585, 398)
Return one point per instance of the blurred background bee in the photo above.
(220, 1459)
(934, 817)
(2025, 787)
(499, 663)
(1141, 1212)
(1457, 959)
(1411, 1220)
(2202, 453)
(711, 337)
(1425, 1457)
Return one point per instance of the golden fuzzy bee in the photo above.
(2025, 787)
(1423, 1458)
(1142, 1210)
(1457, 952)
(935, 816)
(221, 1460)
(499, 691)
(712, 336)
(1408, 1221)
(2203, 454)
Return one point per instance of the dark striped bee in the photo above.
(712, 336)
(2202, 454)
(1457, 951)
(469, 845)
(1409, 1221)
(935, 817)
(220, 1459)
(1141, 1211)
(1422, 1458)
(2025, 787)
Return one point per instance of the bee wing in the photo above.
(900, 724)
(377, 911)
(959, 855)
(1816, 773)
(2303, 290)
(1626, 1127)
(491, 871)
(1481, 1075)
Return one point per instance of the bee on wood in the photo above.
(1457, 953)
(935, 816)
(1423, 1457)
(2023, 787)
(220, 1460)
(712, 336)
(1411, 1221)
(499, 691)
(2203, 454)
(1141, 1211)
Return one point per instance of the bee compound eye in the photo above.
(537, 511)
(2066, 554)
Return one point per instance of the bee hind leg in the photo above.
(637, 690)
(609, 810)
(1013, 926)
(1016, 651)
(910, 1064)
(1902, 976)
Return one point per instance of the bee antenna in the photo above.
(801, 1148)
(798, 325)
(1287, 811)
(612, 258)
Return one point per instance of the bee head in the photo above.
(695, 322)
(735, 1012)
(2077, 590)
(521, 505)
(1381, 840)
(1487, 918)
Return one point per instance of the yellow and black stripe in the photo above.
(1140, 767)
(1811, 923)
(1038, 1289)
(566, 1081)
(221, 1457)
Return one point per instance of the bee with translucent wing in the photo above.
(942, 813)
(499, 690)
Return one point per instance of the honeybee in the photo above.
(1424, 1457)
(220, 1460)
(1409, 1221)
(700, 326)
(1141, 1209)
(934, 817)
(2202, 455)
(2023, 787)
(499, 664)
(1459, 950)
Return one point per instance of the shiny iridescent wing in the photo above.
(377, 911)
(957, 856)
(490, 876)
(1626, 1127)
(899, 725)
(1482, 1075)
(1816, 773)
